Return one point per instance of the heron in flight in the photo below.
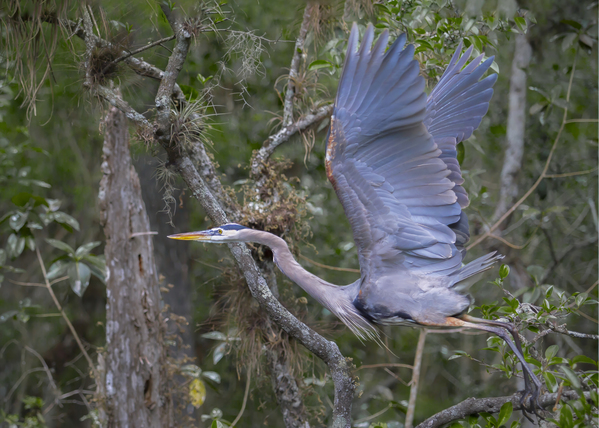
(391, 158)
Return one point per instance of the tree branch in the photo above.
(284, 134)
(167, 84)
(563, 330)
(415, 379)
(180, 161)
(295, 62)
(138, 50)
(473, 406)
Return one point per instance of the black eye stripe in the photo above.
(233, 227)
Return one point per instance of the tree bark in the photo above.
(171, 260)
(515, 127)
(136, 394)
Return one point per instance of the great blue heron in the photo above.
(391, 157)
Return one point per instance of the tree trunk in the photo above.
(514, 152)
(136, 393)
(515, 127)
(171, 259)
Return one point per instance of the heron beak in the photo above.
(192, 236)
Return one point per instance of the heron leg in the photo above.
(509, 327)
(533, 390)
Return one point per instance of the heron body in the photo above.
(392, 160)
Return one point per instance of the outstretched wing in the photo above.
(395, 185)
(454, 109)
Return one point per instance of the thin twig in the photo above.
(508, 243)
(245, 399)
(142, 234)
(563, 330)
(590, 318)
(284, 134)
(374, 366)
(57, 280)
(136, 51)
(64, 315)
(374, 415)
(543, 173)
(301, 256)
(582, 121)
(415, 379)
(21, 379)
(27, 284)
(571, 174)
(46, 368)
(396, 377)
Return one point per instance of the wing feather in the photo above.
(391, 155)
(454, 110)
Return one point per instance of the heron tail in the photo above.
(469, 274)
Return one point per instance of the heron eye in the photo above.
(220, 231)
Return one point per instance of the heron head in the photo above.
(230, 232)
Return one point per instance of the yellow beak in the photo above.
(191, 236)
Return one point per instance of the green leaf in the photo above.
(568, 40)
(214, 335)
(191, 370)
(15, 245)
(565, 417)
(30, 242)
(584, 359)
(191, 93)
(203, 79)
(571, 376)
(504, 271)
(58, 269)
(580, 299)
(219, 352)
(319, 63)
(550, 381)
(21, 199)
(521, 23)
(79, 275)
(572, 23)
(99, 273)
(40, 183)
(217, 424)
(86, 248)
(536, 108)
(61, 246)
(505, 413)
(66, 221)
(213, 376)
(551, 351)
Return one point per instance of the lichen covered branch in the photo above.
(295, 62)
(284, 134)
(474, 406)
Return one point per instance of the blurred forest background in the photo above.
(541, 131)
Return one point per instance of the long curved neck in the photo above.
(321, 290)
(337, 299)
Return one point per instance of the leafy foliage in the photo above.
(544, 288)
